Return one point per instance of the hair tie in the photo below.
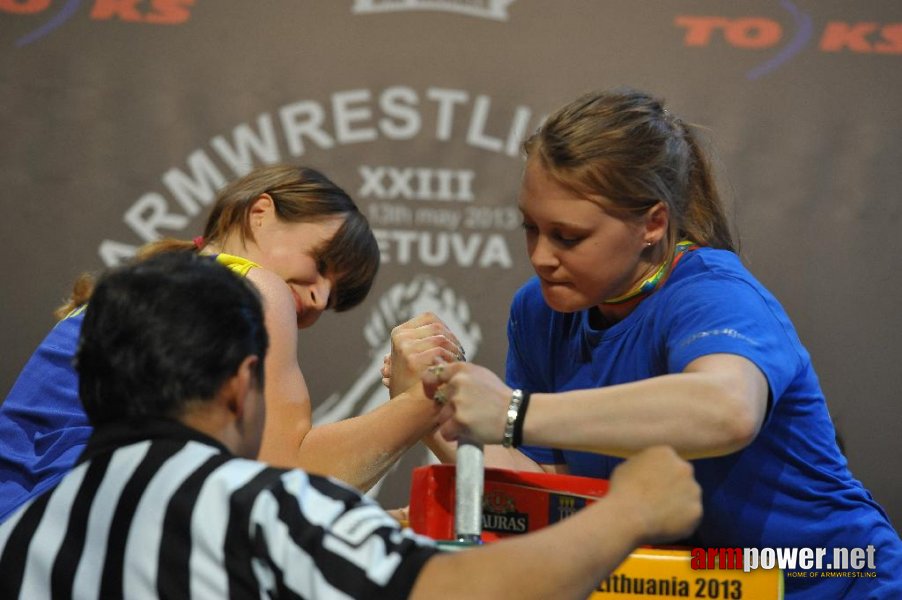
(672, 119)
(199, 242)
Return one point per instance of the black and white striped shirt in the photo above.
(161, 510)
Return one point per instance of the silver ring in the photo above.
(439, 397)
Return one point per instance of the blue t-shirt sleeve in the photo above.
(517, 371)
(524, 361)
(725, 314)
(525, 365)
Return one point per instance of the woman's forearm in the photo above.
(496, 456)
(699, 413)
(360, 450)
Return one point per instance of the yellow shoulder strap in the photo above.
(237, 264)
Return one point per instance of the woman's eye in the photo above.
(568, 240)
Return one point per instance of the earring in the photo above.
(648, 243)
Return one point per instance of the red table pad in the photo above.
(514, 502)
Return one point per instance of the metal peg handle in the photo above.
(468, 492)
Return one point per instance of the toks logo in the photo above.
(153, 12)
(761, 33)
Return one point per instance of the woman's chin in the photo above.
(564, 300)
(307, 320)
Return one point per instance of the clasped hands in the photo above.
(424, 349)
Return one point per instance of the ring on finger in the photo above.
(439, 397)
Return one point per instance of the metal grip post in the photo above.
(468, 492)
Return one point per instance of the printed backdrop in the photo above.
(121, 119)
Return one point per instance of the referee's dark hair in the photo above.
(165, 332)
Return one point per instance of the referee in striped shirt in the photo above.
(167, 502)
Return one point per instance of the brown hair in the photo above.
(299, 194)
(623, 145)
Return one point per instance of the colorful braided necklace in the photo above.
(649, 284)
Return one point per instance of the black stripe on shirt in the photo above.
(414, 558)
(238, 550)
(342, 493)
(336, 569)
(261, 551)
(12, 562)
(120, 525)
(413, 555)
(62, 576)
(296, 527)
(173, 573)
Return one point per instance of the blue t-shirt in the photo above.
(43, 427)
(791, 486)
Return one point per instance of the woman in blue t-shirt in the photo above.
(643, 327)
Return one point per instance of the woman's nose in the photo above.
(319, 294)
(541, 254)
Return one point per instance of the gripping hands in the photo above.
(415, 345)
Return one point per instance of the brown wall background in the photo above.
(120, 118)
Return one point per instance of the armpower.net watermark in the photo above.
(794, 562)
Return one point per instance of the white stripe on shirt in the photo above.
(209, 522)
(120, 469)
(143, 547)
(47, 539)
(296, 564)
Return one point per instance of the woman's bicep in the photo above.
(744, 384)
(288, 417)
